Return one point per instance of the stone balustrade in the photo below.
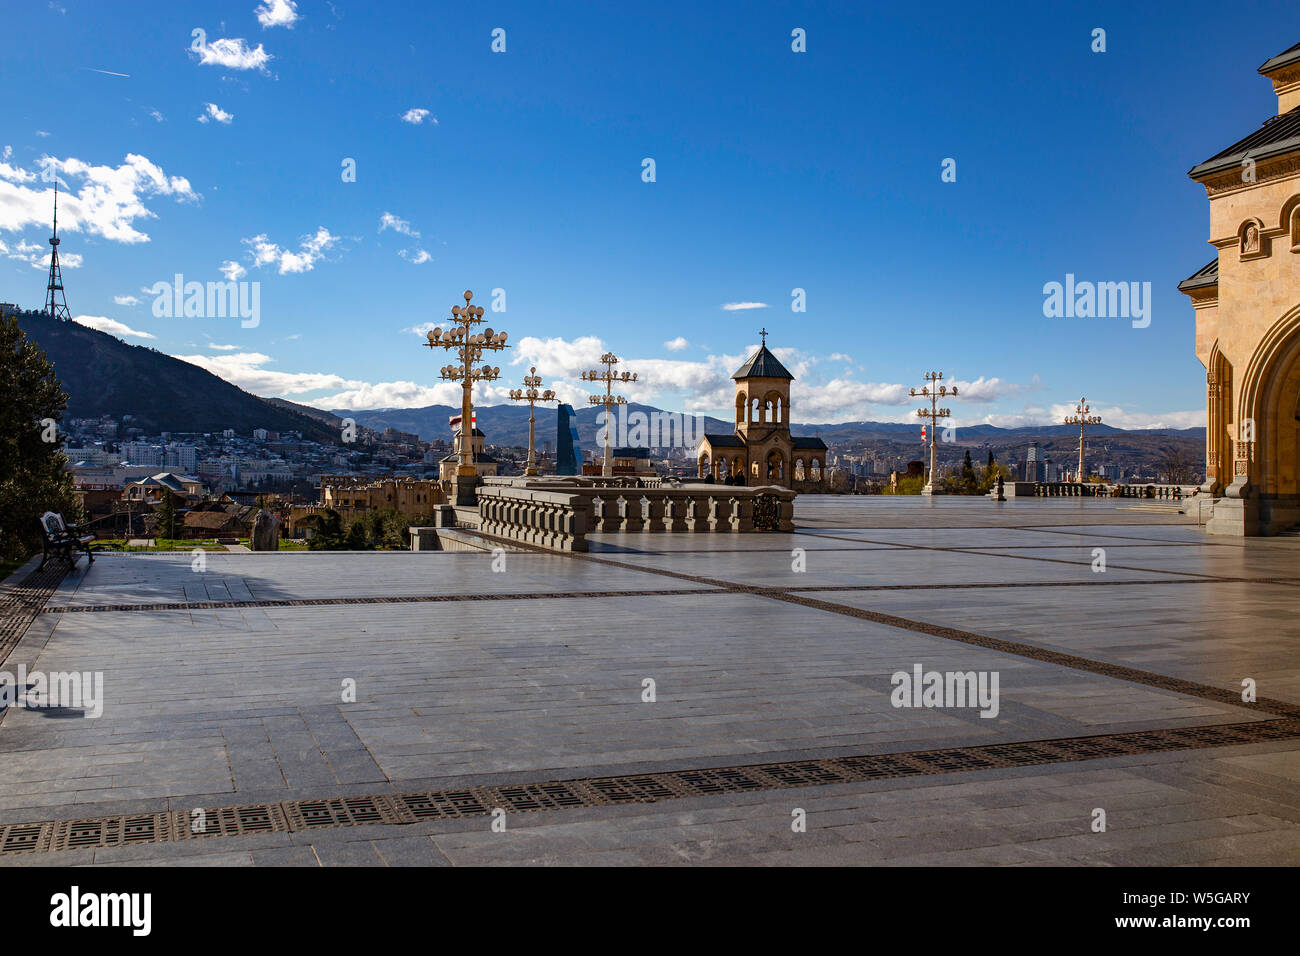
(1092, 489)
(557, 520)
(557, 515)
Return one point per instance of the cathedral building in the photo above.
(761, 450)
(1247, 303)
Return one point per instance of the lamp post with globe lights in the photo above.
(531, 394)
(1083, 420)
(468, 346)
(933, 391)
(608, 400)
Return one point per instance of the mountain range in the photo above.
(106, 376)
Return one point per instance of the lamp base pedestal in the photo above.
(464, 489)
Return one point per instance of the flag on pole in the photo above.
(922, 434)
(454, 420)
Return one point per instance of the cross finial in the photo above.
(763, 333)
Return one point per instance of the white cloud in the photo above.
(215, 112)
(42, 133)
(126, 300)
(419, 257)
(677, 344)
(277, 13)
(8, 151)
(742, 306)
(35, 255)
(13, 173)
(233, 271)
(839, 357)
(158, 117)
(311, 249)
(107, 202)
(111, 326)
(223, 348)
(389, 221)
(234, 54)
(985, 390)
(248, 371)
(417, 116)
(245, 370)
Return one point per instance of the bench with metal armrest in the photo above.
(63, 540)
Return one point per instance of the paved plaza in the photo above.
(377, 708)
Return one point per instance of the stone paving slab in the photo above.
(217, 706)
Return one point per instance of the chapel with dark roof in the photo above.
(761, 450)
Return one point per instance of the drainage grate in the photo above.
(20, 604)
(406, 808)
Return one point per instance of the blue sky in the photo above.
(774, 171)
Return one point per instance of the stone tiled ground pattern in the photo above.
(482, 678)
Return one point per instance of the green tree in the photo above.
(327, 531)
(165, 512)
(33, 474)
(356, 538)
(967, 475)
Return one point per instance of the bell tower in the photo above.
(762, 395)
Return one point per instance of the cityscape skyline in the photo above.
(151, 193)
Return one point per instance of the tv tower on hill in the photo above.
(56, 306)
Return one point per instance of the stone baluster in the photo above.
(632, 511)
(742, 514)
(674, 513)
(654, 513)
(718, 513)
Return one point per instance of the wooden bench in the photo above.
(60, 539)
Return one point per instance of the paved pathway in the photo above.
(427, 690)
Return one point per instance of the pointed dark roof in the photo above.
(1278, 135)
(1285, 58)
(762, 364)
(1205, 277)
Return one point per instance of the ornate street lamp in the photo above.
(933, 391)
(1083, 420)
(608, 400)
(468, 346)
(531, 395)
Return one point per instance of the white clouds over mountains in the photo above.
(101, 200)
(113, 327)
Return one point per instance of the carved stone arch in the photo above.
(1289, 221)
(741, 406)
(772, 405)
(1220, 431)
(1268, 387)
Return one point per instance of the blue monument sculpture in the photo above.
(566, 440)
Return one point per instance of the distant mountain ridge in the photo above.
(105, 376)
(508, 425)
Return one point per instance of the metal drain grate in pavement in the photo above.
(407, 808)
(20, 604)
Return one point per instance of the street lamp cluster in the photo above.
(1083, 420)
(933, 391)
(468, 345)
(608, 376)
(531, 393)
